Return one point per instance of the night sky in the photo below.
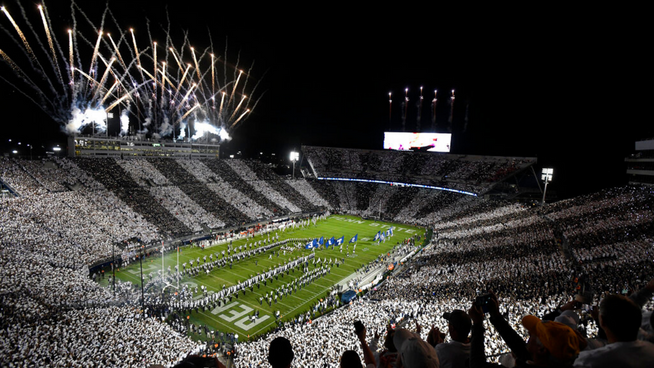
(572, 87)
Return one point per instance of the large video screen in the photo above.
(424, 142)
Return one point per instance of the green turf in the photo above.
(234, 316)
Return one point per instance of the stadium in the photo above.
(152, 235)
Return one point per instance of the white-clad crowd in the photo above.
(508, 249)
(220, 187)
(53, 314)
(261, 186)
(469, 173)
(304, 188)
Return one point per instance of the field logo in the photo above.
(348, 220)
(245, 323)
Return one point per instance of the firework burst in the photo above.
(155, 88)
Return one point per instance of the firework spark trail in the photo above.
(136, 49)
(21, 73)
(202, 75)
(239, 119)
(197, 67)
(233, 127)
(126, 77)
(88, 93)
(148, 74)
(179, 64)
(58, 50)
(10, 62)
(179, 86)
(73, 32)
(117, 51)
(213, 79)
(84, 88)
(118, 101)
(70, 55)
(451, 109)
(106, 95)
(187, 113)
(433, 110)
(95, 52)
(222, 102)
(20, 34)
(247, 80)
(163, 84)
(34, 61)
(238, 107)
(419, 118)
(48, 34)
(240, 72)
(102, 81)
(137, 55)
(186, 96)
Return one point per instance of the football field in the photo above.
(236, 315)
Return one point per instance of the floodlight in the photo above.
(546, 176)
(295, 156)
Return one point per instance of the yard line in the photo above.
(290, 311)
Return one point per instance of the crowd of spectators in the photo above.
(113, 177)
(469, 173)
(18, 179)
(224, 190)
(236, 180)
(265, 173)
(220, 206)
(262, 186)
(304, 188)
(326, 191)
(53, 314)
(534, 260)
(172, 197)
(516, 252)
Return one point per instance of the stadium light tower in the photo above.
(294, 157)
(546, 176)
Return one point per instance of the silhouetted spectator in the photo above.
(414, 352)
(280, 354)
(620, 318)
(456, 353)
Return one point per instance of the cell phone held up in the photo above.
(483, 301)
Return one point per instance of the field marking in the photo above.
(336, 277)
(219, 288)
(305, 301)
(290, 311)
(233, 325)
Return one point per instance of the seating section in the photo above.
(476, 174)
(531, 258)
(239, 201)
(114, 177)
(235, 180)
(69, 213)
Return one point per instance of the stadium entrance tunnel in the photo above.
(348, 296)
